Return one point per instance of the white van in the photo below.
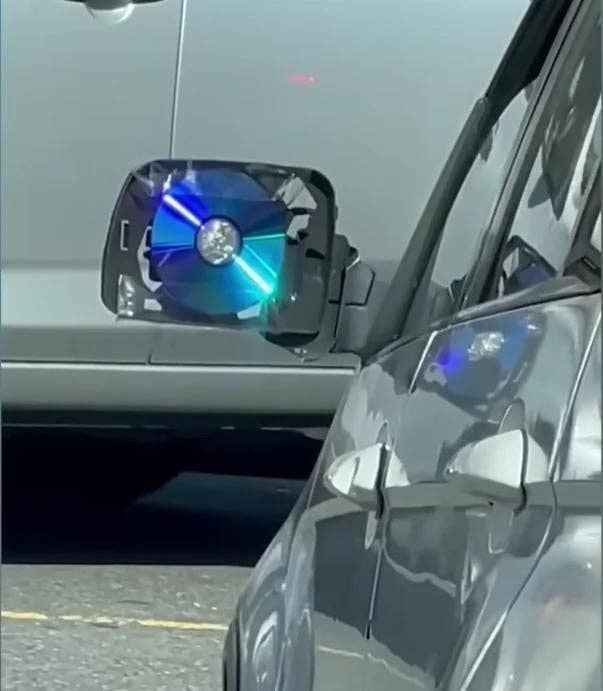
(372, 94)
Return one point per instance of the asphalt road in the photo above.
(131, 598)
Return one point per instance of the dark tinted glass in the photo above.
(565, 154)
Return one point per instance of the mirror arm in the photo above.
(344, 257)
(356, 312)
(353, 298)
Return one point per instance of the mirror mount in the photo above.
(316, 346)
(349, 312)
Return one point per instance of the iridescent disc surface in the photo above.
(186, 207)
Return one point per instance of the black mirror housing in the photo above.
(229, 244)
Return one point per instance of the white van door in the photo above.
(372, 94)
(87, 94)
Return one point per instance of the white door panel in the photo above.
(83, 102)
(372, 94)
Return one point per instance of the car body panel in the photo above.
(562, 598)
(465, 583)
(446, 560)
(106, 391)
(347, 541)
(190, 345)
(478, 561)
(83, 101)
(345, 88)
(290, 592)
(160, 83)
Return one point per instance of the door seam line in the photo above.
(177, 74)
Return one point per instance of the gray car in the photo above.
(450, 534)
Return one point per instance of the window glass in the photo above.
(565, 154)
(469, 215)
(474, 202)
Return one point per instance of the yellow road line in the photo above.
(182, 625)
(24, 616)
(101, 620)
(340, 653)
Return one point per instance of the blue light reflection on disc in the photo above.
(186, 277)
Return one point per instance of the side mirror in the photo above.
(235, 245)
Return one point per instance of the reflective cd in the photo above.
(218, 241)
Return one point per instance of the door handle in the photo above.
(492, 468)
(107, 5)
(356, 476)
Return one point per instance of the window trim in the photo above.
(505, 210)
(425, 282)
(594, 341)
(583, 254)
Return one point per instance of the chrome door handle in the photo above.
(356, 476)
(102, 5)
(492, 467)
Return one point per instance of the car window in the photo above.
(562, 159)
(471, 208)
(469, 216)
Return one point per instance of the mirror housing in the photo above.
(230, 245)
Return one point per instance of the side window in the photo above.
(562, 158)
(583, 461)
(471, 209)
(469, 216)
